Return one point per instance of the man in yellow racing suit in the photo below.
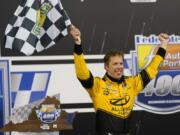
(113, 95)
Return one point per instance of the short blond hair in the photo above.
(112, 54)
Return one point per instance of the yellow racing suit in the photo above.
(113, 99)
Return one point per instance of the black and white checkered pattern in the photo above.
(20, 35)
(22, 113)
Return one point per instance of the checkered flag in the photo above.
(36, 26)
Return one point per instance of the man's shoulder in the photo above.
(98, 78)
(128, 77)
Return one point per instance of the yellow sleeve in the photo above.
(82, 71)
(146, 75)
(89, 82)
(152, 68)
(83, 74)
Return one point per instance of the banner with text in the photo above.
(161, 95)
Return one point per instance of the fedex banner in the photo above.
(161, 95)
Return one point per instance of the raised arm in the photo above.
(150, 72)
(82, 72)
(164, 39)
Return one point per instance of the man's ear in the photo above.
(106, 67)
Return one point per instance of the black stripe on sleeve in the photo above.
(145, 77)
(162, 52)
(87, 83)
(78, 49)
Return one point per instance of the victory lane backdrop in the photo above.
(100, 34)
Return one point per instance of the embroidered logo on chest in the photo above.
(107, 89)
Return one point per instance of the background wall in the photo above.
(143, 123)
(107, 24)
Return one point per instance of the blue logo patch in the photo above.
(48, 113)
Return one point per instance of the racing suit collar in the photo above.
(114, 79)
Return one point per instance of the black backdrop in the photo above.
(107, 24)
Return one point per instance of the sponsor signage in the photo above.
(161, 95)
